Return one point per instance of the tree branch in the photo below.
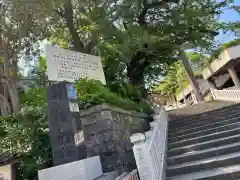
(68, 16)
(59, 13)
(142, 16)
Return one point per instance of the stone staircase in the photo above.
(204, 142)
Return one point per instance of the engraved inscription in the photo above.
(79, 138)
(71, 65)
(66, 151)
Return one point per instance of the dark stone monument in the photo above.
(64, 122)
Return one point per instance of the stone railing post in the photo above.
(213, 93)
(142, 157)
(150, 148)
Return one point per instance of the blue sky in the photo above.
(229, 15)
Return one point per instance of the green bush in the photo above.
(25, 136)
(91, 92)
(34, 97)
(125, 90)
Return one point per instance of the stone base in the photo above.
(87, 169)
(107, 132)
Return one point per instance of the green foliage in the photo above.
(34, 97)
(91, 92)
(40, 70)
(25, 135)
(176, 75)
(136, 39)
(41, 67)
(125, 90)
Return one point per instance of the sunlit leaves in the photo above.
(25, 135)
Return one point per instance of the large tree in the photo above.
(142, 35)
(151, 32)
(19, 32)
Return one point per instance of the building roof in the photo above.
(228, 55)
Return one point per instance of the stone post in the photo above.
(65, 127)
(233, 74)
(142, 156)
(150, 148)
(192, 78)
(212, 86)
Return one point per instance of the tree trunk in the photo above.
(191, 76)
(135, 72)
(13, 84)
(10, 84)
(68, 16)
(5, 106)
(15, 67)
(13, 94)
(6, 58)
(136, 78)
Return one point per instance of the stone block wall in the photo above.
(107, 132)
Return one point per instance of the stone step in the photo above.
(196, 128)
(205, 121)
(221, 173)
(204, 145)
(202, 154)
(205, 138)
(204, 164)
(185, 119)
(203, 132)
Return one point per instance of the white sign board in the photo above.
(65, 65)
(87, 169)
(6, 172)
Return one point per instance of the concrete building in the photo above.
(186, 96)
(225, 70)
(222, 73)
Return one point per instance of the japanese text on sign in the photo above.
(65, 65)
